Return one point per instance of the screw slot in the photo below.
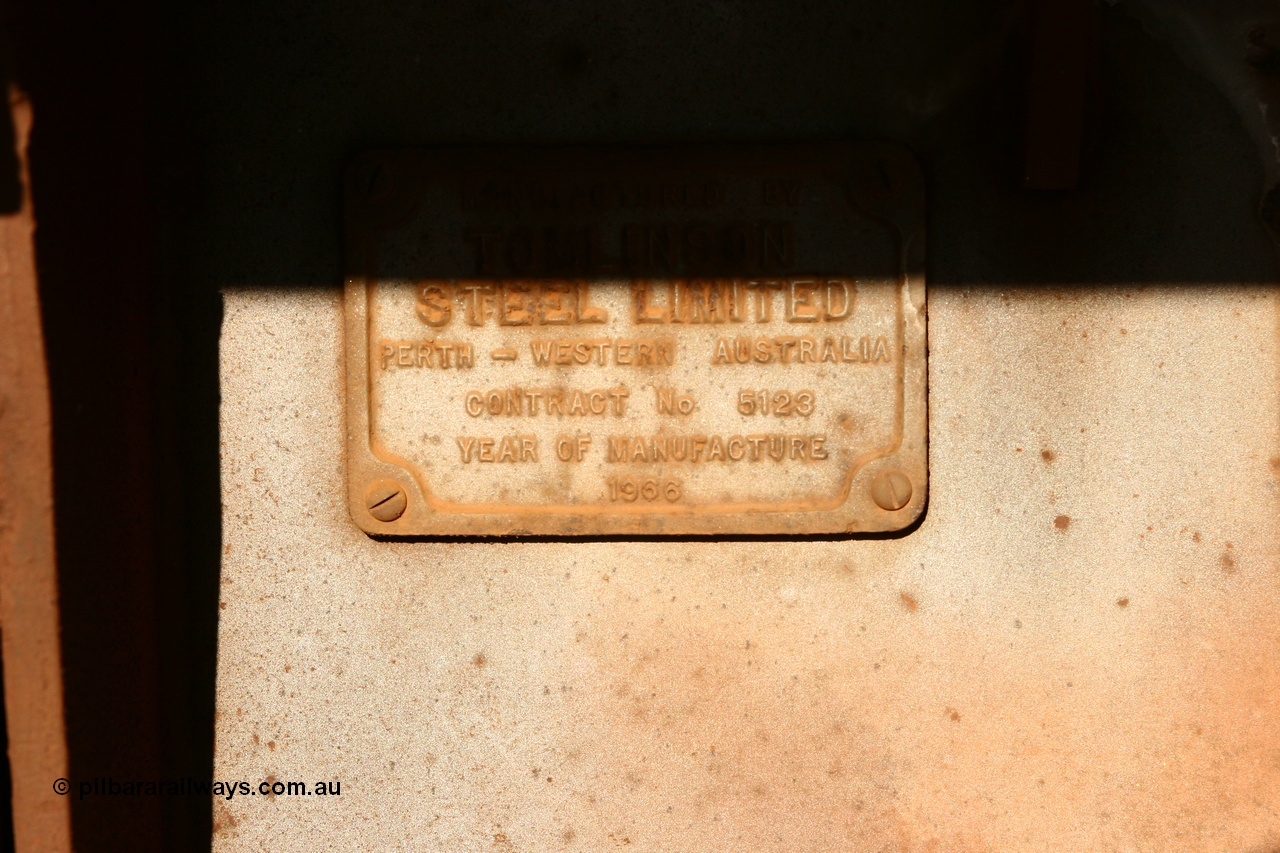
(386, 500)
(891, 490)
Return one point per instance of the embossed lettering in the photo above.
(788, 349)
(734, 301)
(531, 402)
(550, 302)
(572, 448)
(636, 248)
(778, 447)
(444, 355)
(670, 403)
(567, 352)
(508, 448)
(434, 306)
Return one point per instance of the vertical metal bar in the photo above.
(28, 573)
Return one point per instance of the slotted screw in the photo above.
(386, 500)
(891, 490)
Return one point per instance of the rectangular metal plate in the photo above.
(710, 340)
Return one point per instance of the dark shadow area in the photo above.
(179, 149)
(134, 429)
(1169, 181)
(632, 212)
(6, 779)
(10, 183)
(10, 179)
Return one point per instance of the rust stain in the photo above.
(1229, 560)
(1047, 455)
(909, 602)
(480, 660)
(731, 745)
(223, 820)
(1062, 522)
(1122, 602)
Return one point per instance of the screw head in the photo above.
(386, 500)
(891, 490)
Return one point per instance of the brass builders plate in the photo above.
(712, 340)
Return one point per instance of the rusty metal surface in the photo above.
(657, 341)
(28, 572)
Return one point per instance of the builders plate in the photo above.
(640, 341)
